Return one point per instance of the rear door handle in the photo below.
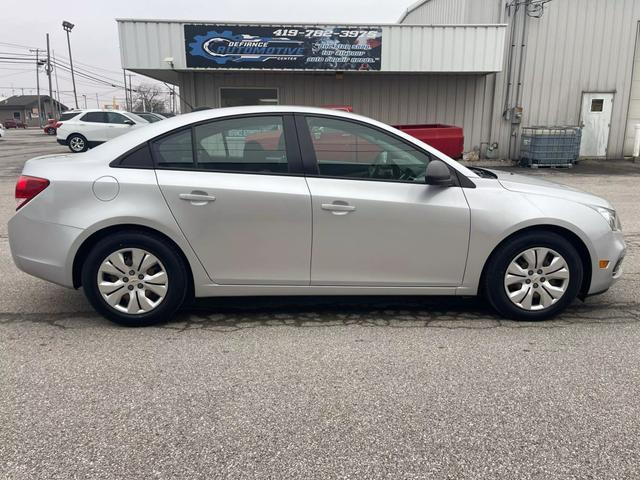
(338, 208)
(197, 198)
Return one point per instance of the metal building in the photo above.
(490, 66)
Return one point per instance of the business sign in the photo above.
(283, 47)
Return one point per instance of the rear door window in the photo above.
(174, 150)
(248, 144)
(94, 117)
(116, 118)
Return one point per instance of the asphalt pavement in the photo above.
(353, 387)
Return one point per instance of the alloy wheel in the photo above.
(132, 281)
(536, 278)
(76, 144)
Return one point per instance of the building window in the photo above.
(235, 97)
(597, 104)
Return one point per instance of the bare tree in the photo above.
(149, 98)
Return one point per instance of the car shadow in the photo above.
(231, 313)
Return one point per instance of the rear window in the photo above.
(68, 116)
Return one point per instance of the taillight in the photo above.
(27, 188)
(57, 125)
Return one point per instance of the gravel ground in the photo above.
(320, 388)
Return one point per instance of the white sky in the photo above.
(94, 40)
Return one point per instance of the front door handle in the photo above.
(338, 207)
(197, 198)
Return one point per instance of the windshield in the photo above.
(137, 118)
(150, 117)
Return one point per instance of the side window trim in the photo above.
(309, 160)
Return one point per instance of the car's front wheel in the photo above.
(533, 277)
(77, 143)
(134, 279)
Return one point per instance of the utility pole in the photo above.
(126, 94)
(57, 86)
(68, 26)
(37, 50)
(52, 102)
(85, 100)
(97, 100)
(130, 93)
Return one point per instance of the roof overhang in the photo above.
(159, 49)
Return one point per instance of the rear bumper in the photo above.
(61, 142)
(42, 249)
(612, 248)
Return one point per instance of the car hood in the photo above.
(536, 186)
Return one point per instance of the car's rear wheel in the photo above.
(134, 279)
(77, 143)
(534, 276)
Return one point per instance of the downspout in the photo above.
(523, 50)
(495, 90)
(512, 47)
(523, 47)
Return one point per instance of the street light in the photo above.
(68, 26)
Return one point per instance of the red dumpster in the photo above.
(449, 139)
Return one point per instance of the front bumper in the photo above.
(612, 248)
(43, 249)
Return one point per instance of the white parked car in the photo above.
(302, 201)
(1, 131)
(90, 128)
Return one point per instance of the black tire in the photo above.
(171, 259)
(493, 284)
(80, 139)
(51, 131)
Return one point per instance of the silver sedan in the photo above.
(302, 201)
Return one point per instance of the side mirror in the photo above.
(438, 173)
(129, 122)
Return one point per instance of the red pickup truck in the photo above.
(448, 139)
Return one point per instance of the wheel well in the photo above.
(95, 237)
(576, 241)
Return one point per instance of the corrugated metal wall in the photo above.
(390, 98)
(577, 46)
(633, 117)
(437, 12)
(442, 48)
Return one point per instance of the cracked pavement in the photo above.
(357, 387)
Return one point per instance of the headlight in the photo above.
(610, 216)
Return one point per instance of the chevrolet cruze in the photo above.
(302, 201)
